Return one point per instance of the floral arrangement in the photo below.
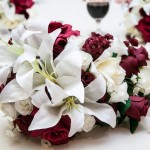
(56, 83)
(13, 12)
(137, 20)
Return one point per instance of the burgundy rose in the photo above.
(130, 65)
(23, 122)
(140, 54)
(22, 5)
(96, 44)
(139, 107)
(61, 41)
(144, 27)
(59, 133)
(136, 59)
(87, 78)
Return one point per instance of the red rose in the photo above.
(61, 41)
(59, 133)
(130, 65)
(22, 5)
(23, 122)
(137, 58)
(87, 78)
(139, 107)
(96, 44)
(144, 27)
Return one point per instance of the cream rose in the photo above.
(114, 75)
(24, 107)
(9, 110)
(89, 123)
(144, 81)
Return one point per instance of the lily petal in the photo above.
(46, 117)
(29, 55)
(70, 65)
(96, 89)
(73, 87)
(56, 92)
(24, 77)
(4, 72)
(103, 112)
(40, 98)
(13, 93)
(77, 120)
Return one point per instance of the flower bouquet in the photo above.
(137, 20)
(56, 83)
(13, 12)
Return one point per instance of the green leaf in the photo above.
(127, 106)
(148, 96)
(114, 54)
(88, 69)
(124, 107)
(133, 125)
(120, 119)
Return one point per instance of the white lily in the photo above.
(51, 110)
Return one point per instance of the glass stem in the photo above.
(98, 22)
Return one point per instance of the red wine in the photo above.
(98, 9)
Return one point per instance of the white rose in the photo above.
(89, 123)
(24, 107)
(134, 79)
(119, 93)
(45, 143)
(9, 110)
(111, 70)
(144, 81)
(86, 60)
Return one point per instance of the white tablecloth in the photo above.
(74, 12)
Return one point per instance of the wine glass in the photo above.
(98, 10)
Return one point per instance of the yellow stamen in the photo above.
(43, 71)
(70, 103)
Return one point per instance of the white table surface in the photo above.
(74, 12)
(101, 138)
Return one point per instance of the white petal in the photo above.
(146, 8)
(17, 33)
(119, 93)
(28, 33)
(86, 60)
(47, 44)
(13, 92)
(6, 56)
(96, 89)
(70, 65)
(29, 55)
(40, 98)
(77, 120)
(68, 49)
(46, 117)
(103, 112)
(56, 92)
(4, 72)
(72, 87)
(38, 81)
(24, 77)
